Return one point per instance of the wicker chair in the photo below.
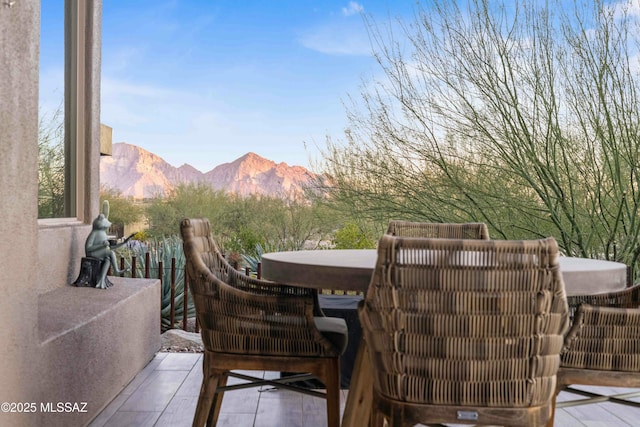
(602, 348)
(252, 324)
(464, 331)
(470, 230)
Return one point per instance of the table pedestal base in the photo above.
(357, 409)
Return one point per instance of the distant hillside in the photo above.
(141, 174)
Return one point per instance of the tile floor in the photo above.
(165, 392)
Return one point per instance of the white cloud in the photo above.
(634, 7)
(352, 9)
(183, 126)
(629, 8)
(113, 87)
(122, 58)
(342, 37)
(336, 40)
(131, 107)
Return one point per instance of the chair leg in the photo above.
(358, 406)
(553, 408)
(377, 418)
(207, 393)
(332, 383)
(214, 412)
(397, 417)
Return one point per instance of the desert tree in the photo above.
(240, 223)
(122, 210)
(523, 115)
(51, 175)
(185, 201)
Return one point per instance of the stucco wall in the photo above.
(19, 41)
(61, 242)
(39, 259)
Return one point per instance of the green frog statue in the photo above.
(99, 254)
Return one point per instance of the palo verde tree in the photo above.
(524, 115)
(51, 181)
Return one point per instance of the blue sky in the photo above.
(204, 82)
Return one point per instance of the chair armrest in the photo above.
(625, 298)
(252, 285)
(270, 320)
(603, 338)
(258, 291)
(267, 288)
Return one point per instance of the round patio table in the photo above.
(351, 269)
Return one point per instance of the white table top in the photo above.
(351, 269)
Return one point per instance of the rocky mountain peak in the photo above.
(250, 164)
(138, 173)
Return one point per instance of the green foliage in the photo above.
(163, 250)
(142, 236)
(255, 257)
(240, 223)
(123, 211)
(51, 174)
(187, 200)
(522, 115)
(243, 241)
(352, 236)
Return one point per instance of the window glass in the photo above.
(51, 127)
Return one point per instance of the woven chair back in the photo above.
(244, 315)
(465, 322)
(470, 230)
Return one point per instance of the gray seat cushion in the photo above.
(335, 330)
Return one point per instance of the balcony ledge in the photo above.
(94, 341)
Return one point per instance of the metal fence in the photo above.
(172, 280)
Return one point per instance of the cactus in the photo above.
(252, 260)
(164, 249)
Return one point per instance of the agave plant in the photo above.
(164, 250)
(252, 260)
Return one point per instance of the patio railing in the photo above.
(172, 280)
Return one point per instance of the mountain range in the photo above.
(138, 173)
